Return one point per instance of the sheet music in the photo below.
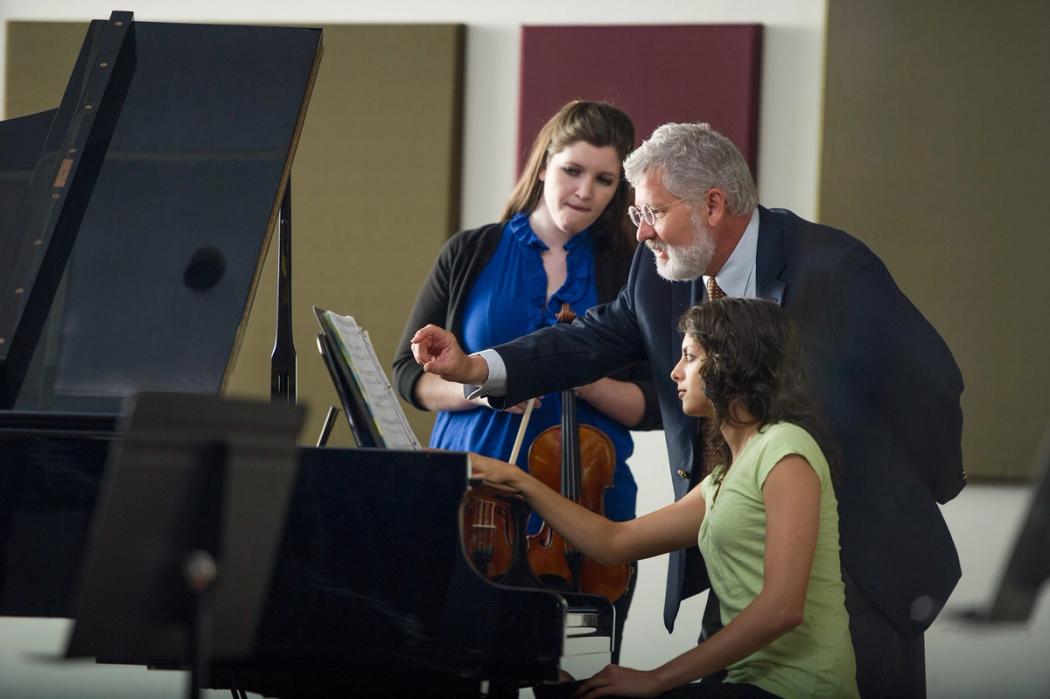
(360, 356)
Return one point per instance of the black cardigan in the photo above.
(441, 299)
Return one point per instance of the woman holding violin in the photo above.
(765, 518)
(564, 239)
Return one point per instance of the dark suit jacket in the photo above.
(887, 382)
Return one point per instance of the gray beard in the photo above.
(688, 262)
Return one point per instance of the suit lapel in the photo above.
(771, 260)
(683, 297)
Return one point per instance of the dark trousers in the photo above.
(889, 664)
(713, 690)
(699, 690)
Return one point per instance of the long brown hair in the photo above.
(599, 124)
(754, 357)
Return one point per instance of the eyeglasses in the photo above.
(647, 213)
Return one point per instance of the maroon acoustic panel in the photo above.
(655, 73)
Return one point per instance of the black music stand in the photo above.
(1028, 567)
(355, 407)
(184, 536)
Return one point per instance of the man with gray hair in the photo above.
(887, 382)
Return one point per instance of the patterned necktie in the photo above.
(714, 291)
(709, 432)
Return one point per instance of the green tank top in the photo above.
(815, 659)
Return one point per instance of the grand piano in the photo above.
(134, 219)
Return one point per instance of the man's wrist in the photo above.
(479, 370)
(493, 376)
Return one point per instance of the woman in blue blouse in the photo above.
(564, 238)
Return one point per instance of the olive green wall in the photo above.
(375, 186)
(936, 153)
(40, 57)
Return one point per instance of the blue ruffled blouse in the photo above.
(508, 300)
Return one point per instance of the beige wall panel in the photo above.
(375, 186)
(936, 148)
(40, 57)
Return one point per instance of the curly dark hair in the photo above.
(754, 360)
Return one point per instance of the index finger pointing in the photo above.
(421, 353)
(425, 332)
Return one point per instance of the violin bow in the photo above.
(521, 430)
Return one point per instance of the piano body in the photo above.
(134, 220)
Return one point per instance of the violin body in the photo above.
(488, 533)
(578, 461)
(551, 557)
(493, 535)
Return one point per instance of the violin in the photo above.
(488, 534)
(493, 535)
(578, 461)
(494, 527)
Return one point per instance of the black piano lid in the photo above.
(150, 250)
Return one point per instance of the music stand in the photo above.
(197, 485)
(1028, 567)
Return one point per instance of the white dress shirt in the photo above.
(737, 276)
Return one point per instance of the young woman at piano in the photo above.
(764, 517)
(564, 237)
